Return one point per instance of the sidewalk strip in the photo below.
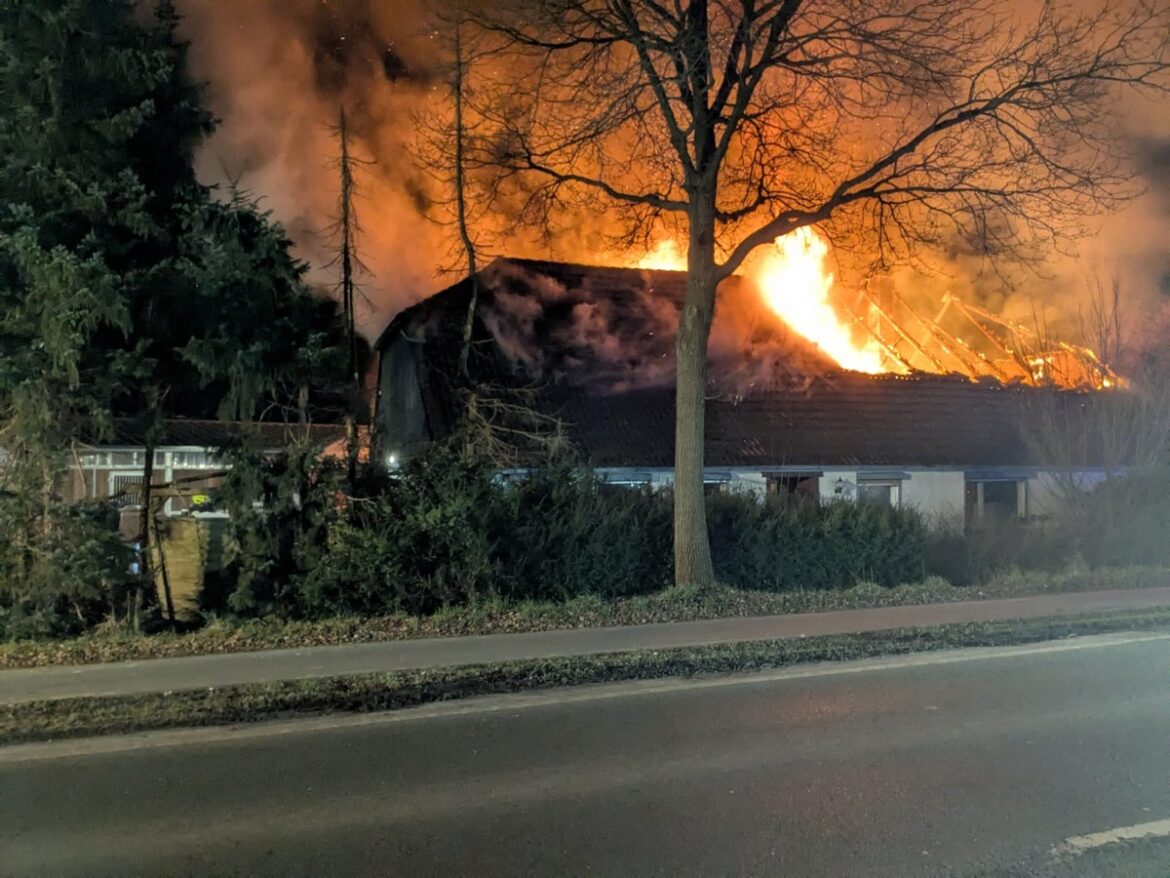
(519, 701)
(234, 669)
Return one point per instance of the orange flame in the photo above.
(795, 285)
(665, 256)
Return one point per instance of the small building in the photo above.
(594, 348)
(188, 452)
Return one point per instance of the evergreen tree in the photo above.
(126, 288)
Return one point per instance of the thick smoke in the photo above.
(277, 72)
(614, 330)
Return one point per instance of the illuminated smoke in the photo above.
(277, 71)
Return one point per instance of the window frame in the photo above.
(894, 486)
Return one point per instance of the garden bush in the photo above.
(789, 543)
(282, 508)
(973, 554)
(566, 533)
(1125, 520)
(445, 531)
(68, 575)
(424, 541)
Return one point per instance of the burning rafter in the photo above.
(1019, 354)
(895, 336)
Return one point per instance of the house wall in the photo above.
(828, 485)
(1047, 491)
(401, 419)
(937, 494)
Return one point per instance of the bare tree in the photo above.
(1121, 436)
(448, 133)
(460, 186)
(346, 230)
(744, 120)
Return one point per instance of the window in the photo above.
(192, 459)
(127, 458)
(615, 483)
(1000, 499)
(129, 486)
(797, 486)
(716, 483)
(881, 493)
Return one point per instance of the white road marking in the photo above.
(1079, 844)
(517, 701)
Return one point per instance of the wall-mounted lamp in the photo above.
(839, 487)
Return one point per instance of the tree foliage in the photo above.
(127, 288)
(281, 508)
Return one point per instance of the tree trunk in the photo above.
(146, 498)
(692, 549)
(461, 201)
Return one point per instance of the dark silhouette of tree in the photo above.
(347, 231)
(127, 288)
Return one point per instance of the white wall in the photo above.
(1047, 492)
(935, 493)
(828, 485)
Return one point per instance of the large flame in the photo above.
(666, 256)
(795, 285)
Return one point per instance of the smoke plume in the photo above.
(277, 73)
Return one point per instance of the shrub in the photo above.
(1126, 520)
(566, 533)
(424, 542)
(446, 531)
(63, 568)
(281, 508)
(782, 543)
(973, 554)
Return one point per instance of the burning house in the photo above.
(799, 399)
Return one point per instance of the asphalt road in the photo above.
(199, 672)
(976, 763)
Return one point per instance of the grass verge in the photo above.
(82, 717)
(678, 604)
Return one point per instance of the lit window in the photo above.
(191, 459)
